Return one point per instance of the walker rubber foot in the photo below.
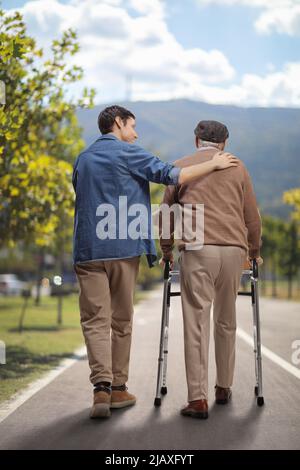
(260, 401)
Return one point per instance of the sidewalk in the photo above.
(57, 417)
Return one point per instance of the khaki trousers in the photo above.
(106, 311)
(210, 274)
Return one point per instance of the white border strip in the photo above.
(270, 354)
(15, 402)
(9, 406)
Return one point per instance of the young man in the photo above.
(212, 272)
(110, 177)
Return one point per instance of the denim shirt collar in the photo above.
(108, 137)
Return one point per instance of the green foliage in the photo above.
(281, 249)
(40, 135)
(292, 198)
(272, 236)
(290, 250)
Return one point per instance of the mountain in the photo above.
(266, 139)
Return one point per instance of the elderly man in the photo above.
(212, 271)
(110, 177)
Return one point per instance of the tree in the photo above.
(292, 197)
(272, 238)
(290, 254)
(292, 264)
(40, 135)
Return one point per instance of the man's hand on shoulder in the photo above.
(223, 160)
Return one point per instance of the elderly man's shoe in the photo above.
(196, 409)
(223, 395)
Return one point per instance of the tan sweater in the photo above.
(231, 216)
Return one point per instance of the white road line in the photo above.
(11, 405)
(270, 354)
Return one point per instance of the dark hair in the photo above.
(211, 131)
(107, 117)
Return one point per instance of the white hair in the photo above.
(206, 143)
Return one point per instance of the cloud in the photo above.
(279, 89)
(281, 20)
(148, 7)
(125, 38)
(281, 16)
(122, 39)
(126, 44)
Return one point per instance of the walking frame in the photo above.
(161, 386)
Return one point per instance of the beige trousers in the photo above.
(210, 274)
(106, 311)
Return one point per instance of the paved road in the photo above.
(57, 416)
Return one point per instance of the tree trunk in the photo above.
(40, 275)
(274, 277)
(22, 316)
(290, 286)
(59, 309)
(61, 288)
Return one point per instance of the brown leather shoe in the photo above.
(223, 395)
(196, 409)
(120, 398)
(101, 406)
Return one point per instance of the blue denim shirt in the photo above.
(106, 170)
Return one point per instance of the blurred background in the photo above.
(172, 63)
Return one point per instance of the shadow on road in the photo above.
(222, 430)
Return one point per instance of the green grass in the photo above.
(42, 344)
(282, 290)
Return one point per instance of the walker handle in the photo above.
(255, 268)
(167, 270)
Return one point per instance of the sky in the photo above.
(241, 52)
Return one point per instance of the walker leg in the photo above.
(166, 301)
(257, 341)
(164, 389)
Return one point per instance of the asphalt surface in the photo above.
(57, 417)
